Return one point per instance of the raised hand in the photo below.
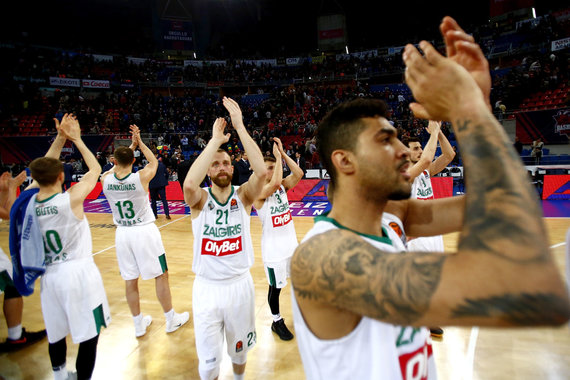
(462, 48)
(235, 112)
(218, 131)
(70, 128)
(433, 127)
(279, 145)
(18, 180)
(135, 135)
(276, 151)
(438, 83)
(4, 181)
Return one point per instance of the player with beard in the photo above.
(223, 299)
(359, 300)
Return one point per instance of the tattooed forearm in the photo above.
(502, 208)
(516, 309)
(356, 276)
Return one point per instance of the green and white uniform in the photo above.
(278, 238)
(139, 247)
(223, 298)
(423, 189)
(374, 349)
(72, 293)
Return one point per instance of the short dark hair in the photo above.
(341, 127)
(45, 170)
(269, 159)
(409, 140)
(124, 155)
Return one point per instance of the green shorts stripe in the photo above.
(99, 318)
(5, 280)
(272, 281)
(162, 259)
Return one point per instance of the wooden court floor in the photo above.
(464, 353)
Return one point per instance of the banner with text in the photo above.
(553, 126)
(176, 35)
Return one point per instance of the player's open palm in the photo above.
(218, 131)
(70, 128)
(234, 111)
(461, 48)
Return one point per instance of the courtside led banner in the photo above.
(556, 187)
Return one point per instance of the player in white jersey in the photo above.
(278, 237)
(372, 340)
(340, 280)
(140, 252)
(72, 294)
(13, 304)
(223, 299)
(423, 167)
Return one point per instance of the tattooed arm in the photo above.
(502, 273)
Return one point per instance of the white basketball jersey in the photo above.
(421, 187)
(65, 236)
(278, 238)
(222, 239)
(374, 349)
(128, 200)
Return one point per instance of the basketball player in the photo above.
(223, 297)
(140, 252)
(13, 304)
(278, 238)
(72, 294)
(358, 303)
(424, 166)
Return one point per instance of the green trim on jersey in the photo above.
(382, 239)
(121, 179)
(215, 200)
(47, 199)
(162, 260)
(99, 318)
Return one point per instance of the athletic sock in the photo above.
(60, 373)
(169, 314)
(239, 377)
(15, 333)
(276, 317)
(138, 319)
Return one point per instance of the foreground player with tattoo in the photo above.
(359, 300)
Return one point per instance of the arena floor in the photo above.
(464, 353)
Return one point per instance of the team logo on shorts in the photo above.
(239, 346)
(233, 205)
(210, 206)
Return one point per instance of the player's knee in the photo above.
(240, 359)
(209, 371)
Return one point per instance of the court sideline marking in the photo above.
(164, 225)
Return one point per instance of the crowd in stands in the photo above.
(280, 106)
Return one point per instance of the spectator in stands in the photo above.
(244, 170)
(300, 161)
(536, 152)
(518, 145)
(110, 163)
